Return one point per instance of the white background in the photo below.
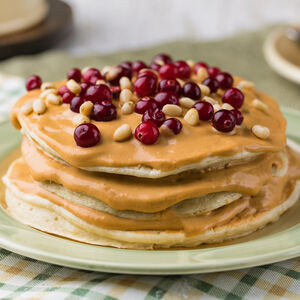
(111, 25)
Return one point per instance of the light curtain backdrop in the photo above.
(111, 25)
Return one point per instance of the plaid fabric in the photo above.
(25, 278)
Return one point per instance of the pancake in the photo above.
(53, 133)
(208, 160)
(190, 206)
(148, 195)
(42, 214)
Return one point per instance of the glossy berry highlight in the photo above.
(87, 135)
(154, 115)
(224, 120)
(234, 97)
(104, 111)
(147, 133)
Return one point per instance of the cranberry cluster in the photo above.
(163, 82)
(160, 87)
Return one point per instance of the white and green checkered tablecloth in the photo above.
(25, 278)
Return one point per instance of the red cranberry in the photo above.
(76, 103)
(184, 70)
(162, 58)
(213, 71)
(147, 133)
(87, 135)
(104, 111)
(212, 83)
(225, 80)
(155, 67)
(145, 104)
(224, 120)
(121, 71)
(234, 97)
(67, 97)
(205, 110)
(169, 85)
(63, 89)
(238, 116)
(138, 65)
(163, 98)
(126, 64)
(33, 82)
(191, 90)
(75, 74)
(145, 85)
(99, 92)
(168, 71)
(115, 90)
(91, 75)
(154, 115)
(173, 124)
(84, 86)
(200, 65)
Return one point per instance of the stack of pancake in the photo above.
(200, 186)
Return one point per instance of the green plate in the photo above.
(276, 242)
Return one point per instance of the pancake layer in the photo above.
(53, 133)
(41, 213)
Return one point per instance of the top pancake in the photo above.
(196, 147)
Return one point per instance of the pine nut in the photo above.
(165, 130)
(125, 96)
(181, 82)
(217, 107)
(26, 109)
(160, 62)
(261, 131)
(80, 119)
(54, 99)
(105, 69)
(47, 85)
(186, 102)
(191, 63)
(112, 73)
(127, 108)
(210, 100)
(172, 110)
(39, 106)
(45, 93)
(205, 90)
(101, 81)
(73, 86)
(246, 84)
(83, 70)
(125, 83)
(86, 108)
(122, 133)
(260, 105)
(192, 117)
(201, 74)
(227, 106)
(146, 69)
